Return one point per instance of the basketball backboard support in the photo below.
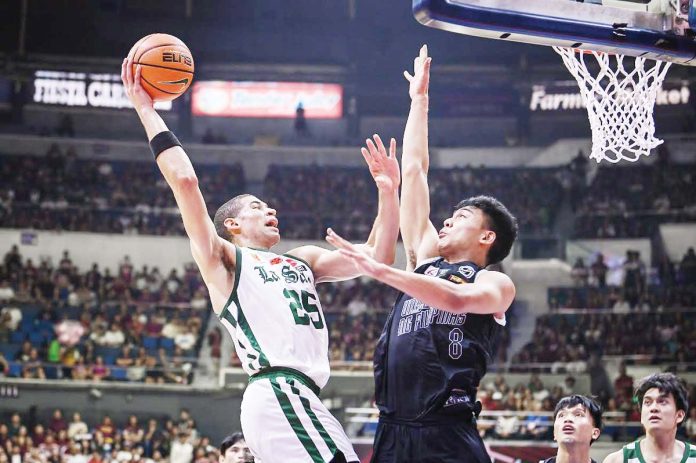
(651, 29)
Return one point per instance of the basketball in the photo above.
(167, 65)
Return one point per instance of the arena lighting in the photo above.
(82, 89)
(267, 99)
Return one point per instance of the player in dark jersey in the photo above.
(577, 423)
(441, 335)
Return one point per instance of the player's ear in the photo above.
(595, 433)
(487, 237)
(232, 226)
(680, 416)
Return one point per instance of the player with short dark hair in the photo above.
(268, 302)
(664, 405)
(233, 449)
(577, 423)
(443, 331)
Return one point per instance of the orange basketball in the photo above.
(167, 65)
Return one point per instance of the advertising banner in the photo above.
(565, 96)
(267, 99)
(83, 90)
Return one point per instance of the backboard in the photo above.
(652, 29)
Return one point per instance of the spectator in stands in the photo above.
(233, 449)
(634, 277)
(623, 386)
(13, 259)
(181, 449)
(114, 337)
(57, 422)
(153, 439)
(300, 120)
(536, 426)
(125, 269)
(32, 368)
(600, 386)
(199, 300)
(136, 371)
(186, 340)
(10, 317)
(98, 335)
(15, 425)
(54, 352)
(690, 426)
(5, 320)
(105, 433)
(4, 436)
(507, 426)
(621, 305)
(599, 271)
(687, 267)
(80, 371)
(125, 358)
(39, 435)
(6, 291)
(22, 441)
(153, 373)
(185, 422)
(4, 368)
(133, 434)
(580, 273)
(99, 371)
(172, 328)
(77, 428)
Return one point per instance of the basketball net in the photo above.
(619, 102)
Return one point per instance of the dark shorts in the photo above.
(432, 443)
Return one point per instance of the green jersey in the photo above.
(633, 454)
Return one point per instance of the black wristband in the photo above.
(163, 141)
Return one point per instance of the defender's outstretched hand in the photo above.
(134, 90)
(420, 79)
(383, 167)
(362, 261)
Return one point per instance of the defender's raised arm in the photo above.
(418, 233)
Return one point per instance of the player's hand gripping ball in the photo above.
(166, 66)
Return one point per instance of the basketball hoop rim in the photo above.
(590, 52)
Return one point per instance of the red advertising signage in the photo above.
(267, 99)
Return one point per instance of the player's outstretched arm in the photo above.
(180, 176)
(381, 244)
(491, 293)
(418, 233)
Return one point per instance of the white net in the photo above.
(619, 101)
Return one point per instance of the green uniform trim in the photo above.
(233, 295)
(315, 421)
(295, 423)
(241, 319)
(275, 372)
(637, 453)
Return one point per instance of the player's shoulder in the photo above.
(499, 279)
(614, 457)
(426, 261)
(307, 253)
